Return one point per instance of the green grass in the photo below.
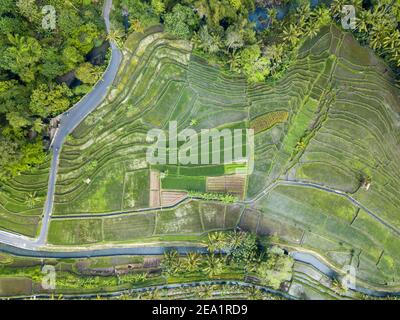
(136, 189)
(129, 227)
(184, 183)
(77, 231)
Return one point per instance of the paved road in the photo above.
(69, 121)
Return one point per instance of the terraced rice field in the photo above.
(104, 160)
(332, 121)
(348, 121)
(21, 201)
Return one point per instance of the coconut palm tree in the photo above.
(216, 241)
(276, 51)
(202, 39)
(204, 291)
(392, 41)
(135, 26)
(233, 39)
(338, 287)
(254, 293)
(116, 37)
(234, 61)
(312, 30)
(31, 199)
(171, 262)
(272, 13)
(363, 21)
(214, 265)
(192, 261)
(291, 34)
(336, 8)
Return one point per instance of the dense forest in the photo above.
(44, 70)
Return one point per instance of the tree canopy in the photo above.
(34, 62)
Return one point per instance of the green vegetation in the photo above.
(189, 221)
(324, 109)
(35, 68)
(226, 198)
(241, 251)
(125, 274)
(268, 120)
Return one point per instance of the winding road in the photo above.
(69, 121)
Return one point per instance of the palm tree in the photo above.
(276, 52)
(204, 291)
(336, 8)
(291, 34)
(234, 61)
(313, 29)
(272, 13)
(135, 26)
(31, 199)
(171, 262)
(322, 15)
(202, 39)
(215, 44)
(214, 265)
(216, 241)
(338, 287)
(363, 21)
(154, 294)
(254, 293)
(233, 39)
(392, 41)
(235, 239)
(192, 261)
(116, 37)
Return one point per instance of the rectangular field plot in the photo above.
(170, 198)
(173, 182)
(15, 287)
(213, 216)
(268, 226)
(232, 184)
(129, 227)
(232, 215)
(75, 231)
(309, 205)
(155, 200)
(184, 219)
(136, 189)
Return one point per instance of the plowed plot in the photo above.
(170, 198)
(233, 184)
(155, 200)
